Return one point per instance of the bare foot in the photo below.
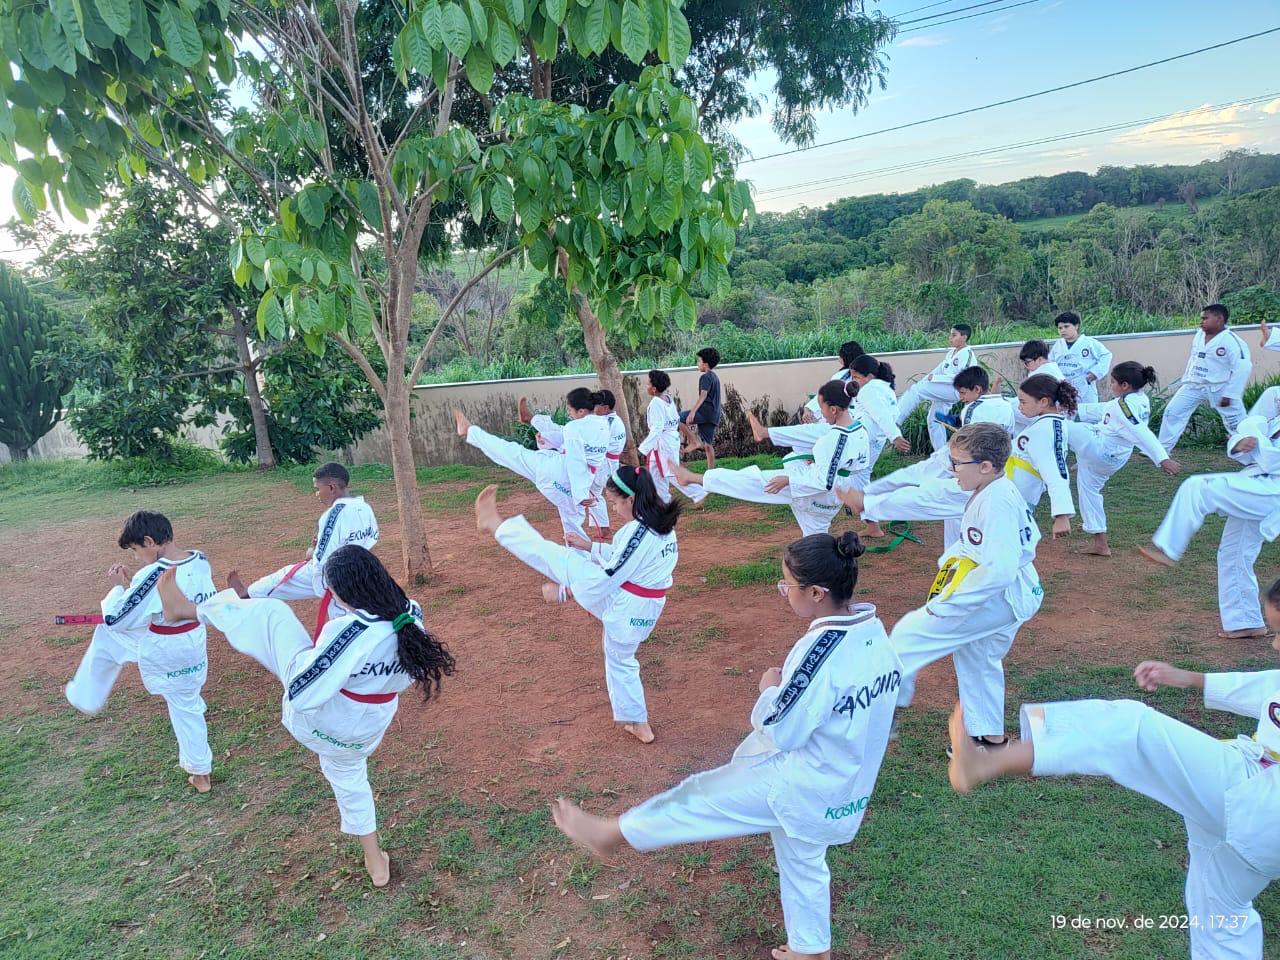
(786, 953)
(526, 412)
(758, 429)
(463, 424)
(235, 583)
(684, 476)
(1248, 633)
(969, 766)
(853, 498)
(379, 867)
(177, 607)
(1156, 555)
(872, 531)
(551, 593)
(600, 836)
(487, 517)
(200, 781)
(1099, 547)
(641, 731)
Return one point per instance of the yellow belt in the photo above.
(953, 571)
(1018, 463)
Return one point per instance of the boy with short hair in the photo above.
(171, 656)
(1217, 372)
(346, 519)
(938, 389)
(698, 423)
(1083, 360)
(986, 587)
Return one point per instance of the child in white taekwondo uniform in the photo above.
(346, 520)
(1083, 360)
(551, 437)
(169, 651)
(985, 590)
(1250, 500)
(927, 489)
(1034, 357)
(1217, 373)
(660, 449)
(571, 478)
(937, 389)
(341, 693)
(626, 591)
(849, 351)
(806, 772)
(1227, 791)
(1104, 440)
(807, 481)
(1268, 402)
(1039, 458)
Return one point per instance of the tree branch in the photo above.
(365, 366)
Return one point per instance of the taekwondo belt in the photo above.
(180, 628)
(639, 591)
(368, 697)
(808, 456)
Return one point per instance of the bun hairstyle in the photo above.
(660, 379)
(580, 398)
(1041, 386)
(646, 505)
(1134, 374)
(834, 394)
(850, 351)
(868, 366)
(821, 560)
(361, 581)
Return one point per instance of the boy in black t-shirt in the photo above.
(698, 424)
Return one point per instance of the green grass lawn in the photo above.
(104, 857)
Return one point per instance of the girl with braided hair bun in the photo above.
(625, 589)
(806, 772)
(341, 693)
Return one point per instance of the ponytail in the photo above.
(1133, 374)
(835, 394)
(1041, 386)
(821, 560)
(580, 398)
(868, 366)
(360, 580)
(646, 505)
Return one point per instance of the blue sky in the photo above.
(1042, 44)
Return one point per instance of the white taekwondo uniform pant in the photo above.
(268, 631)
(1245, 500)
(1267, 405)
(800, 437)
(1189, 772)
(528, 463)
(941, 397)
(110, 650)
(295, 582)
(733, 801)
(977, 636)
(1095, 464)
(813, 513)
(1178, 411)
(621, 639)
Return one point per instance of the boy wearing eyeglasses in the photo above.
(986, 587)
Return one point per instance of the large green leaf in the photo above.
(271, 318)
(456, 29)
(116, 14)
(430, 24)
(683, 310)
(635, 31)
(418, 49)
(56, 46)
(255, 251)
(479, 21)
(70, 18)
(178, 30)
(556, 9)
(500, 199)
(361, 314)
(367, 198)
(679, 41)
(502, 41)
(662, 209)
(595, 26)
(311, 204)
(479, 69)
(23, 201)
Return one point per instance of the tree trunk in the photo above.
(607, 370)
(18, 454)
(261, 435)
(413, 533)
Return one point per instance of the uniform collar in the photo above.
(858, 613)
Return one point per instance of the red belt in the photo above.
(644, 591)
(613, 456)
(180, 628)
(369, 697)
(322, 615)
(289, 576)
(656, 463)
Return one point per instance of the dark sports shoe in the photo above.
(982, 743)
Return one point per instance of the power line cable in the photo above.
(927, 6)
(984, 13)
(947, 13)
(1019, 99)
(811, 186)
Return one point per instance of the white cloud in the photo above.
(1272, 107)
(928, 40)
(1225, 127)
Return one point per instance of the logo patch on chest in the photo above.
(1022, 442)
(973, 535)
(1221, 351)
(1273, 712)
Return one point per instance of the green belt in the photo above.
(901, 530)
(808, 456)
